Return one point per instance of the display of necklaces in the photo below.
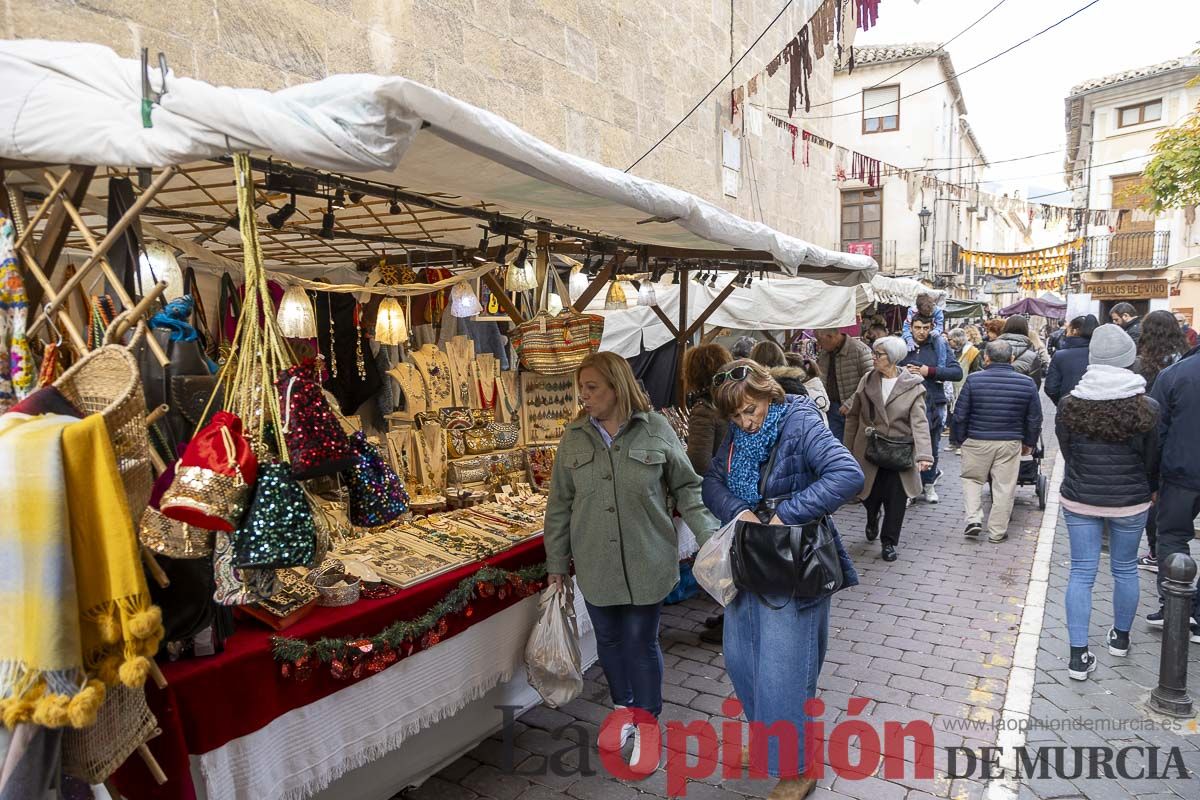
(413, 387)
(432, 457)
(354, 376)
(508, 405)
(434, 368)
(460, 351)
(486, 383)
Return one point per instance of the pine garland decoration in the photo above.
(487, 581)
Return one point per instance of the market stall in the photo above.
(314, 324)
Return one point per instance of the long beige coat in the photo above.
(901, 417)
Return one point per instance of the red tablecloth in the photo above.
(211, 701)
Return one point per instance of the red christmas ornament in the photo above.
(363, 646)
(426, 640)
(442, 626)
(469, 611)
(338, 669)
(434, 639)
(502, 593)
(305, 666)
(359, 669)
(285, 669)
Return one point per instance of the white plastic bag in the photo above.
(552, 660)
(712, 569)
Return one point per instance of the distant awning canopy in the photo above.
(399, 145)
(1033, 307)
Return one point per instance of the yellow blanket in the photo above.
(76, 608)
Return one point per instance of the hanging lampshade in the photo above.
(296, 317)
(463, 301)
(158, 263)
(521, 276)
(615, 299)
(390, 326)
(578, 282)
(646, 295)
(554, 304)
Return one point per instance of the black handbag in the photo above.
(886, 453)
(796, 560)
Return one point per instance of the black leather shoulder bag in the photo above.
(893, 454)
(791, 560)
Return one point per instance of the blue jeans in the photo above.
(627, 645)
(1087, 534)
(773, 658)
(935, 414)
(837, 422)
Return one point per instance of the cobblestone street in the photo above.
(930, 637)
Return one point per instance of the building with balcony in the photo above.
(1112, 123)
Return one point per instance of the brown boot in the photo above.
(792, 789)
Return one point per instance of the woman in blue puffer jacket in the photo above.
(775, 646)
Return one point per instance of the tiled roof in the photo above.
(883, 53)
(1134, 74)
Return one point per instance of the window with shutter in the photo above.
(881, 109)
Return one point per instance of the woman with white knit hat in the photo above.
(1108, 434)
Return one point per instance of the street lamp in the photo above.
(924, 215)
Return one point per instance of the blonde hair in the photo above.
(617, 374)
(758, 385)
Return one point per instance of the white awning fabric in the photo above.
(768, 305)
(75, 103)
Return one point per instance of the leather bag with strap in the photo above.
(885, 452)
(784, 560)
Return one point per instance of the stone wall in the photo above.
(600, 78)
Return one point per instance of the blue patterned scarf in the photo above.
(750, 450)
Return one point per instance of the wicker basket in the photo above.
(123, 724)
(106, 381)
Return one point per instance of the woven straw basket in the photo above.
(106, 381)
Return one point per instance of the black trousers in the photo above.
(1152, 531)
(1176, 512)
(887, 493)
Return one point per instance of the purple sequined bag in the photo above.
(377, 494)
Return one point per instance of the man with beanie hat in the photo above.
(1177, 390)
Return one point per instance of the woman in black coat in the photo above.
(1070, 359)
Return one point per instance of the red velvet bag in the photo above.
(213, 477)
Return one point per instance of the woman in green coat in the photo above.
(619, 465)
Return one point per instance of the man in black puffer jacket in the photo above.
(996, 421)
(1177, 391)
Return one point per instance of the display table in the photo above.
(241, 730)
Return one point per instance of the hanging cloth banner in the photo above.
(1033, 269)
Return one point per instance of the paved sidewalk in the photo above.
(929, 637)
(1109, 708)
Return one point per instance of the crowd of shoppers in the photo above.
(775, 439)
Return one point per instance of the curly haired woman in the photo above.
(1107, 432)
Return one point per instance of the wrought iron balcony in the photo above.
(1139, 250)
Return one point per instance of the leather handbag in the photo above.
(885, 452)
(789, 560)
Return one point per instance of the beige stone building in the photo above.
(599, 78)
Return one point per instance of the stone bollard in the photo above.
(1170, 696)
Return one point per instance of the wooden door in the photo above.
(1133, 241)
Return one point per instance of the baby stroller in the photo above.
(1030, 473)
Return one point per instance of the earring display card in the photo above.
(549, 403)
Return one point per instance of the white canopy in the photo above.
(74, 103)
(768, 305)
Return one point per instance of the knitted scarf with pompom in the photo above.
(78, 612)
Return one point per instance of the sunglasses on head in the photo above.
(738, 373)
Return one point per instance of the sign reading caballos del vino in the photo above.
(1121, 290)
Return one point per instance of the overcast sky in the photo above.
(1015, 103)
